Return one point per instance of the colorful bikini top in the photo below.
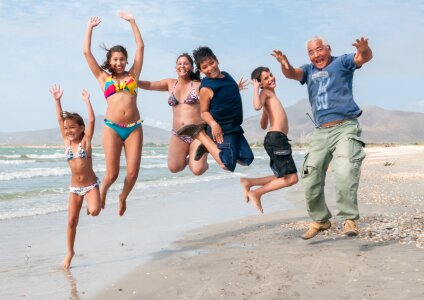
(111, 87)
(192, 97)
(80, 153)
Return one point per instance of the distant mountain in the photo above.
(396, 126)
(52, 136)
(379, 126)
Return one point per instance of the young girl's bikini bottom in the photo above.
(81, 191)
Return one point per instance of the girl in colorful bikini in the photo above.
(84, 183)
(184, 101)
(122, 121)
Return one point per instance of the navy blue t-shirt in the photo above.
(225, 106)
(330, 89)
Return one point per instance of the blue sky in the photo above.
(42, 45)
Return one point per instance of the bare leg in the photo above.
(93, 202)
(74, 208)
(112, 147)
(211, 146)
(247, 183)
(177, 154)
(133, 147)
(276, 184)
(197, 167)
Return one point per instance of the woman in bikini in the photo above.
(84, 183)
(122, 121)
(184, 101)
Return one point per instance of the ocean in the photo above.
(34, 180)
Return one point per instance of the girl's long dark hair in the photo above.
(118, 48)
(193, 75)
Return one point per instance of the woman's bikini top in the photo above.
(192, 97)
(80, 153)
(111, 87)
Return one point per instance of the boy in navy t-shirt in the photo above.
(221, 108)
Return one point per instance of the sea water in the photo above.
(35, 180)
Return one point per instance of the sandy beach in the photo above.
(162, 207)
(263, 257)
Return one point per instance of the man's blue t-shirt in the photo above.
(330, 89)
(225, 106)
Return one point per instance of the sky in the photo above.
(41, 45)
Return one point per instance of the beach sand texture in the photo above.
(262, 257)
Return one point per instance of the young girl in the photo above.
(185, 104)
(122, 121)
(77, 140)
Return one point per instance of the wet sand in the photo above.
(263, 257)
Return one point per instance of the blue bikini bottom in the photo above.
(123, 130)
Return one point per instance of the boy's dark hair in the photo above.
(202, 53)
(118, 48)
(256, 74)
(193, 75)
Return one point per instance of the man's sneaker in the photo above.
(315, 228)
(350, 228)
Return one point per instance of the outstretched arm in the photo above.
(286, 68)
(363, 52)
(161, 85)
(92, 63)
(57, 94)
(135, 70)
(89, 128)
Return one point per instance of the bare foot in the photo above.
(246, 188)
(122, 206)
(67, 260)
(256, 200)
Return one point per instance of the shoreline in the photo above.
(107, 247)
(295, 146)
(262, 257)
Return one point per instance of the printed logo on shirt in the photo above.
(323, 81)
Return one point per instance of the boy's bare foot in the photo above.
(67, 260)
(122, 206)
(256, 200)
(246, 188)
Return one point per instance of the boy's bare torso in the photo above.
(274, 111)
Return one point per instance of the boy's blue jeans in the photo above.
(235, 149)
(342, 146)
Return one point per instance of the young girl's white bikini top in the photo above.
(80, 153)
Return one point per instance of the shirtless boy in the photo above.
(276, 142)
